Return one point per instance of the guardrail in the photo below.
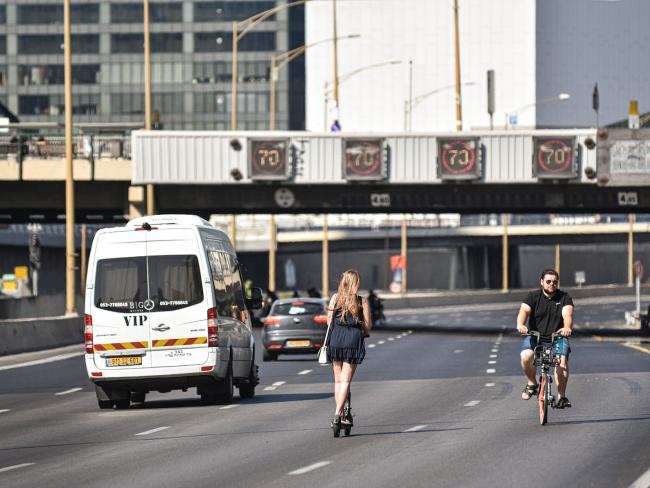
(52, 147)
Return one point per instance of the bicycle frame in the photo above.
(546, 358)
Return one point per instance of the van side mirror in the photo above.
(255, 301)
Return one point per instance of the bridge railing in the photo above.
(53, 147)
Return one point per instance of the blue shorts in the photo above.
(562, 345)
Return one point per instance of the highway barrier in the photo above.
(24, 335)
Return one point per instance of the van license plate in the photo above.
(298, 343)
(124, 361)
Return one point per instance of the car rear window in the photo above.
(174, 282)
(298, 308)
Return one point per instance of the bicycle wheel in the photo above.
(542, 396)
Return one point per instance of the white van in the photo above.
(165, 310)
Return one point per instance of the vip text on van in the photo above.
(165, 310)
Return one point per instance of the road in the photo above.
(432, 409)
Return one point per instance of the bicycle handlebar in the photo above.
(537, 334)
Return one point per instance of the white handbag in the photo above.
(322, 352)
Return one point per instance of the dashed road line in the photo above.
(415, 428)
(67, 392)
(391, 339)
(636, 347)
(227, 407)
(493, 355)
(278, 383)
(309, 468)
(492, 362)
(490, 384)
(305, 371)
(36, 362)
(4, 410)
(490, 371)
(15, 466)
(153, 431)
(270, 388)
(643, 481)
(458, 351)
(496, 349)
(473, 403)
(371, 346)
(381, 342)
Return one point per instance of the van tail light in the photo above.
(212, 327)
(320, 319)
(271, 320)
(88, 334)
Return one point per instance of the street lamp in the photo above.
(246, 25)
(280, 61)
(409, 104)
(329, 86)
(558, 98)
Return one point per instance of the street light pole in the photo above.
(272, 101)
(459, 110)
(147, 92)
(410, 104)
(337, 113)
(410, 119)
(70, 308)
(558, 98)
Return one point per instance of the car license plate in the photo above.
(124, 361)
(298, 343)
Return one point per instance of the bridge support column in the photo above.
(504, 246)
(272, 249)
(630, 250)
(326, 258)
(136, 202)
(404, 251)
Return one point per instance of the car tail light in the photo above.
(212, 327)
(320, 319)
(275, 346)
(271, 320)
(88, 334)
(296, 304)
(207, 368)
(316, 344)
(96, 374)
(243, 315)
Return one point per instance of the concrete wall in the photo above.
(35, 334)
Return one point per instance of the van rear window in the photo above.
(174, 282)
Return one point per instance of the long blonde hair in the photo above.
(346, 296)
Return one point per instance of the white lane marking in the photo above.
(415, 428)
(311, 467)
(643, 481)
(490, 371)
(371, 346)
(153, 431)
(60, 357)
(227, 407)
(410, 331)
(66, 392)
(381, 342)
(305, 371)
(493, 355)
(473, 403)
(496, 349)
(398, 337)
(458, 351)
(278, 383)
(492, 362)
(391, 339)
(490, 384)
(270, 388)
(15, 466)
(4, 410)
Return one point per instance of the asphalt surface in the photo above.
(432, 409)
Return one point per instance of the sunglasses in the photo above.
(551, 282)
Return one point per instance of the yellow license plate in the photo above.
(124, 361)
(298, 343)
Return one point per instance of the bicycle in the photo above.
(546, 356)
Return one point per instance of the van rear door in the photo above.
(178, 326)
(119, 313)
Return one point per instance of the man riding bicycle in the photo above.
(547, 310)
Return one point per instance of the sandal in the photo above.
(528, 391)
(563, 403)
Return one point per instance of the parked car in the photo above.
(294, 326)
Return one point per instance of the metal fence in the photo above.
(88, 147)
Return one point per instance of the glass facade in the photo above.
(191, 62)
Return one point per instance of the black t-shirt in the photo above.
(546, 315)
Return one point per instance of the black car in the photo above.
(294, 326)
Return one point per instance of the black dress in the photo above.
(346, 339)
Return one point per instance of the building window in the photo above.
(125, 73)
(219, 102)
(3, 14)
(222, 42)
(166, 12)
(86, 104)
(166, 42)
(127, 43)
(53, 14)
(3, 44)
(127, 13)
(52, 74)
(220, 72)
(3, 75)
(53, 44)
(167, 72)
(127, 103)
(225, 11)
(167, 103)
